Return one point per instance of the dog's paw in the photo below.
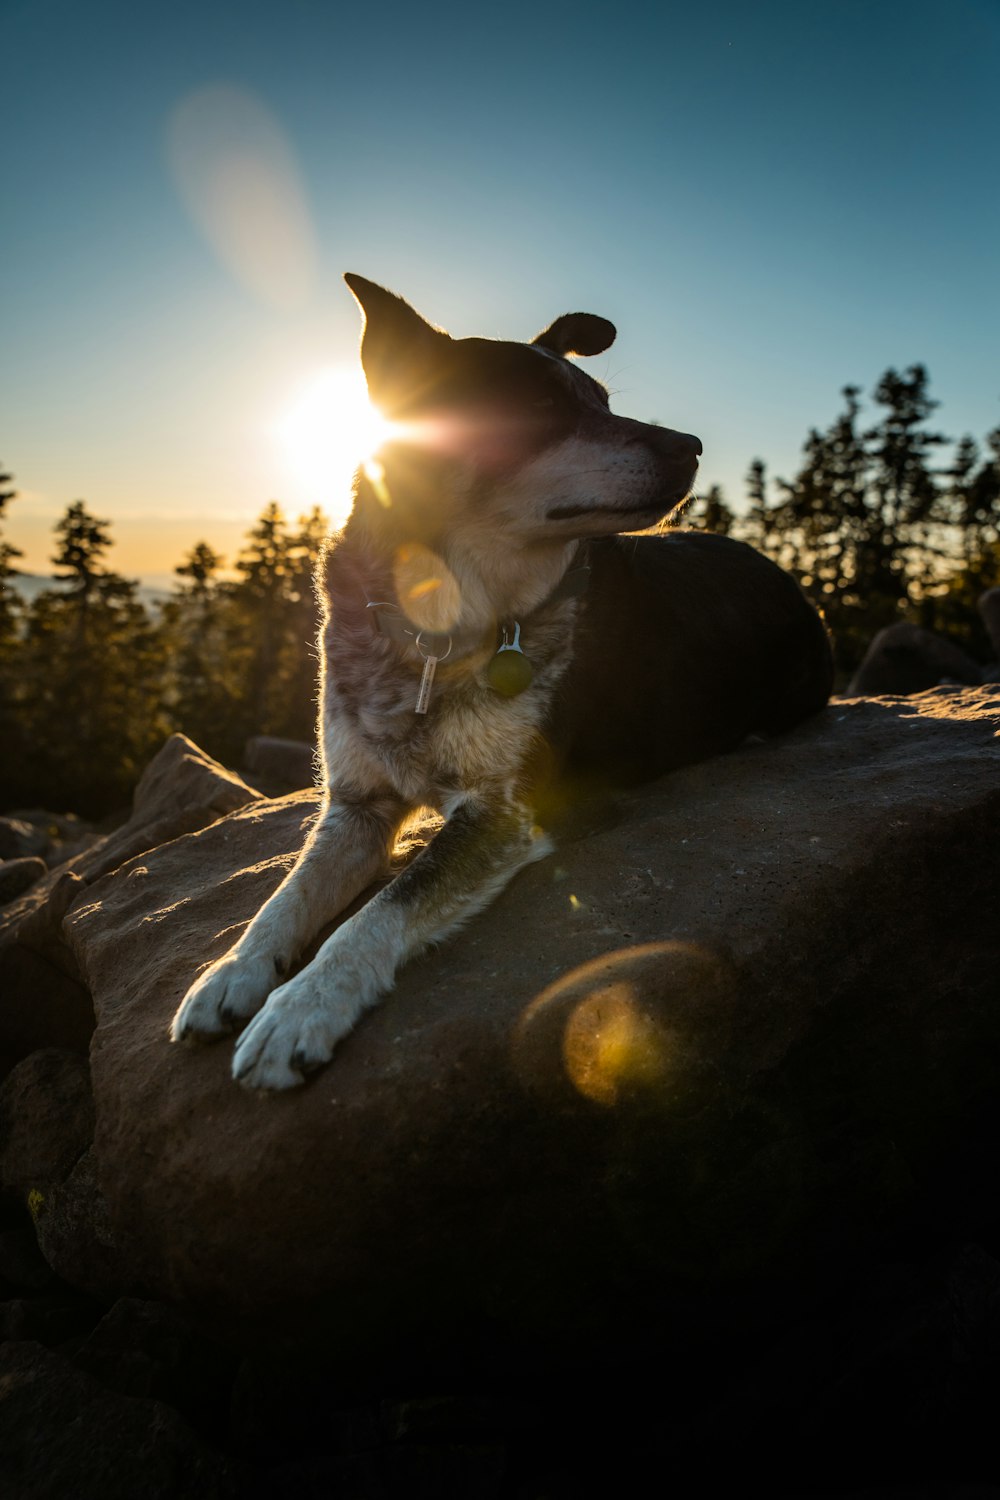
(294, 1034)
(227, 994)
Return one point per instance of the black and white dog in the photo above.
(488, 633)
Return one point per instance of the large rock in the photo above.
(727, 1034)
(904, 658)
(44, 1002)
(62, 1433)
(46, 1119)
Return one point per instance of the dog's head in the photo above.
(512, 436)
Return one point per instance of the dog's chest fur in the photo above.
(471, 738)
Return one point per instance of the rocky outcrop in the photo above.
(44, 1003)
(17, 875)
(727, 1033)
(279, 765)
(903, 658)
(64, 1433)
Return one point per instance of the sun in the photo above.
(327, 429)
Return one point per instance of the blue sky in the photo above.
(769, 200)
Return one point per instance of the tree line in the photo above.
(92, 680)
(880, 523)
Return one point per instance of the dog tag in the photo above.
(426, 683)
(427, 676)
(510, 671)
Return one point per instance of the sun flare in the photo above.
(327, 429)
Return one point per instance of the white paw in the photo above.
(228, 993)
(295, 1033)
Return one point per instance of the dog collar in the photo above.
(509, 672)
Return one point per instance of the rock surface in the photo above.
(17, 875)
(903, 658)
(280, 765)
(46, 1119)
(724, 1037)
(44, 1003)
(62, 1433)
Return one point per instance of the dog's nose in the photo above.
(679, 445)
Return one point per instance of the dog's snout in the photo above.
(684, 445)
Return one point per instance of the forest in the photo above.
(881, 522)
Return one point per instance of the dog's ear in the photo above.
(577, 333)
(398, 347)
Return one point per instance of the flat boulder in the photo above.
(723, 1038)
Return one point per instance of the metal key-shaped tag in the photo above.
(427, 678)
(510, 671)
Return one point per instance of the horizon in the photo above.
(767, 213)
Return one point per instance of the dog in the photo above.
(489, 638)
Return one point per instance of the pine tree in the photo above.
(709, 512)
(94, 661)
(754, 528)
(9, 607)
(202, 689)
(864, 522)
(12, 678)
(974, 495)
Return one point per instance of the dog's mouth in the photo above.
(572, 512)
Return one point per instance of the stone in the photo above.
(55, 836)
(720, 1041)
(18, 837)
(44, 1001)
(144, 1348)
(904, 658)
(179, 778)
(988, 605)
(75, 1232)
(46, 1120)
(49, 1319)
(22, 1264)
(280, 765)
(46, 1131)
(16, 875)
(62, 1433)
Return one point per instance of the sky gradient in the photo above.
(770, 201)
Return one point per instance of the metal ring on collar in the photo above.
(443, 657)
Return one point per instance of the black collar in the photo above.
(390, 620)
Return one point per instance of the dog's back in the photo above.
(685, 644)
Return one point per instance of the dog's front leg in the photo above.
(348, 847)
(483, 844)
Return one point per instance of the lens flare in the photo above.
(611, 1046)
(236, 172)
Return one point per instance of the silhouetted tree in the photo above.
(754, 528)
(863, 524)
(12, 745)
(709, 512)
(8, 599)
(202, 690)
(94, 661)
(974, 494)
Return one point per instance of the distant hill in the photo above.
(154, 589)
